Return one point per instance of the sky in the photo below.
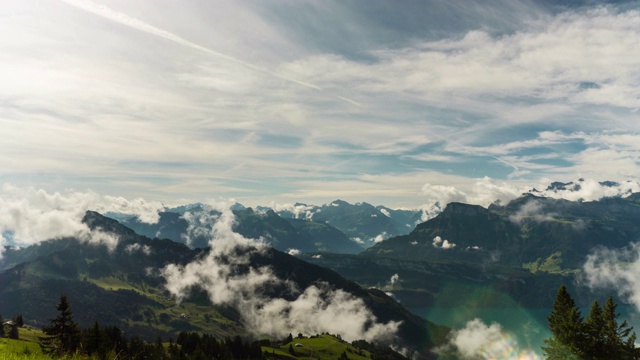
(284, 101)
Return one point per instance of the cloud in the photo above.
(132, 248)
(443, 194)
(380, 237)
(293, 252)
(531, 210)
(480, 341)
(486, 191)
(473, 87)
(592, 190)
(615, 269)
(438, 243)
(228, 277)
(124, 19)
(394, 279)
(29, 216)
(483, 191)
(298, 210)
(357, 240)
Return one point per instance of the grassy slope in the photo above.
(322, 347)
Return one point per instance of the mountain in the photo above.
(362, 222)
(514, 255)
(122, 287)
(282, 234)
(533, 232)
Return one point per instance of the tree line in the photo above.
(63, 336)
(594, 337)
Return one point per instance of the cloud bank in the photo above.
(228, 278)
(29, 216)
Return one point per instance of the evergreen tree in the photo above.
(13, 332)
(596, 344)
(567, 328)
(1, 326)
(19, 321)
(94, 340)
(63, 334)
(617, 336)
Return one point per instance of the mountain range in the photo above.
(338, 227)
(163, 278)
(125, 287)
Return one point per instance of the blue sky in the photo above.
(285, 101)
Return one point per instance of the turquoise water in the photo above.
(529, 327)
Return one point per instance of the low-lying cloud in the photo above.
(438, 243)
(486, 191)
(531, 210)
(478, 340)
(615, 269)
(29, 216)
(227, 276)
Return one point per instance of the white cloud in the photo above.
(480, 341)
(617, 270)
(297, 210)
(394, 279)
(380, 237)
(531, 210)
(293, 252)
(358, 240)
(33, 215)
(92, 100)
(438, 243)
(132, 248)
(591, 190)
(315, 309)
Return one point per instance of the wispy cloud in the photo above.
(176, 102)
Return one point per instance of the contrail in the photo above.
(348, 100)
(129, 21)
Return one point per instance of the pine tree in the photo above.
(596, 344)
(567, 328)
(19, 321)
(13, 332)
(617, 336)
(1, 326)
(63, 335)
(94, 342)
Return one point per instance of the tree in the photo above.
(619, 339)
(1, 326)
(19, 321)
(13, 332)
(598, 337)
(567, 328)
(63, 334)
(596, 344)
